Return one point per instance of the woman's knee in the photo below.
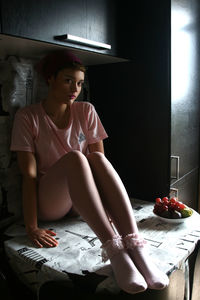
(96, 156)
(74, 156)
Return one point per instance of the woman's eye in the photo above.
(67, 80)
(80, 83)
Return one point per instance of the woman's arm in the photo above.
(28, 167)
(96, 147)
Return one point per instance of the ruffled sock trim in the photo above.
(111, 247)
(133, 240)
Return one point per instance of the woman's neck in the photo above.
(58, 113)
(54, 108)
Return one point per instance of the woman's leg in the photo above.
(117, 203)
(113, 194)
(70, 181)
(74, 171)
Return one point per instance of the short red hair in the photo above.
(56, 61)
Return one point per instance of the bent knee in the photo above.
(95, 156)
(75, 156)
(75, 153)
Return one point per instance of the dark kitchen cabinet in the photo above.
(185, 99)
(136, 115)
(151, 106)
(0, 20)
(43, 21)
(143, 31)
(186, 188)
(185, 136)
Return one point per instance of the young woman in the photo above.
(59, 144)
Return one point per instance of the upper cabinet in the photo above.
(90, 23)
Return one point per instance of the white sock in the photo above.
(155, 278)
(126, 274)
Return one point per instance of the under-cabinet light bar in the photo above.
(80, 40)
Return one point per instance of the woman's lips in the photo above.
(72, 96)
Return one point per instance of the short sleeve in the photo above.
(96, 131)
(22, 138)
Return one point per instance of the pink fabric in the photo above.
(34, 131)
(134, 240)
(111, 247)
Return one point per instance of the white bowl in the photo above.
(174, 221)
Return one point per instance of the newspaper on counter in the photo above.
(79, 250)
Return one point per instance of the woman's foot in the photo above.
(126, 274)
(139, 254)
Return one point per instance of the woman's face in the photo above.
(67, 85)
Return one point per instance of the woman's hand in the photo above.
(42, 237)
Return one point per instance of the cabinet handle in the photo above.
(173, 192)
(80, 40)
(177, 158)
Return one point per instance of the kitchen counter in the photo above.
(78, 254)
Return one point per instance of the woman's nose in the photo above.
(74, 87)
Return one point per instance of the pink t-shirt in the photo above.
(34, 131)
